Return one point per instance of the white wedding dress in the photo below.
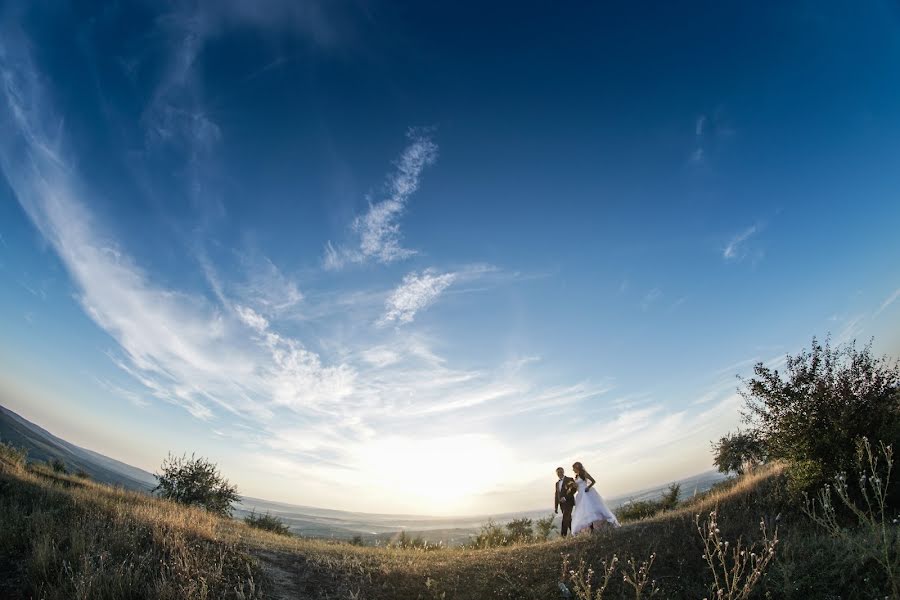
(589, 507)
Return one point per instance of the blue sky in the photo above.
(409, 257)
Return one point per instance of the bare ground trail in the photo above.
(285, 576)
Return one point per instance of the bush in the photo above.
(828, 398)
(875, 538)
(519, 531)
(267, 522)
(642, 509)
(195, 482)
(490, 536)
(82, 474)
(405, 541)
(544, 527)
(58, 466)
(13, 455)
(739, 451)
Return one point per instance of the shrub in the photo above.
(195, 482)
(876, 537)
(490, 536)
(405, 541)
(13, 455)
(814, 413)
(267, 522)
(519, 530)
(58, 466)
(636, 510)
(738, 452)
(544, 527)
(82, 474)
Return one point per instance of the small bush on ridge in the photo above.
(267, 522)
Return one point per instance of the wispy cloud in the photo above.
(417, 292)
(378, 229)
(650, 298)
(736, 249)
(887, 302)
(181, 347)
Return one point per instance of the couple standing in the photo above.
(590, 512)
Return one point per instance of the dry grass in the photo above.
(63, 537)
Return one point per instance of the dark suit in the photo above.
(565, 500)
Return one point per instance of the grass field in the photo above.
(62, 537)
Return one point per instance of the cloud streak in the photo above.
(417, 292)
(378, 230)
(735, 249)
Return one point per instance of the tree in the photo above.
(544, 527)
(196, 482)
(815, 413)
(58, 466)
(669, 500)
(520, 530)
(736, 452)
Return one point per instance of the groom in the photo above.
(564, 497)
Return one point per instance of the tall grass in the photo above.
(62, 537)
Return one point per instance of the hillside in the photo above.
(94, 541)
(44, 446)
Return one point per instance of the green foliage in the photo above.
(543, 528)
(636, 510)
(357, 540)
(82, 474)
(267, 522)
(58, 466)
(519, 531)
(828, 398)
(195, 482)
(738, 452)
(875, 536)
(490, 536)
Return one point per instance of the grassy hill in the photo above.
(63, 537)
(44, 446)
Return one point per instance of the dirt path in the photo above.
(285, 576)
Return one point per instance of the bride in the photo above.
(590, 510)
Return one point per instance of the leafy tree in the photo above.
(196, 482)
(736, 452)
(544, 527)
(828, 398)
(490, 536)
(267, 522)
(82, 474)
(58, 466)
(520, 530)
(669, 500)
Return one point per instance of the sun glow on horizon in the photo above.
(438, 475)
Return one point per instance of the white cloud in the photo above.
(887, 302)
(735, 249)
(379, 229)
(181, 347)
(417, 292)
